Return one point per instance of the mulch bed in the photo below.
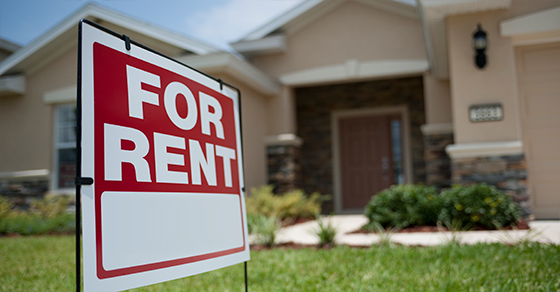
(521, 225)
(293, 245)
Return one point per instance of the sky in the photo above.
(216, 22)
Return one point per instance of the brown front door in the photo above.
(366, 158)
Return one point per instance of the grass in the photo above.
(47, 264)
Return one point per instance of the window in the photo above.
(396, 139)
(65, 146)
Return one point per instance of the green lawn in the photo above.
(47, 264)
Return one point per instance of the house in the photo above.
(378, 92)
(38, 100)
(344, 97)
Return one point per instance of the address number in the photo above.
(486, 113)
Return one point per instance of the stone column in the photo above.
(21, 187)
(501, 164)
(283, 156)
(438, 163)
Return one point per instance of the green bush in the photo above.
(5, 207)
(478, 205)
(50, 206)
(25, 223)
(289, 206)
(404, 205)
(45, 216)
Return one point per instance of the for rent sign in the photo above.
(162, 144)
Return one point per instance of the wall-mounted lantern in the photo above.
(479, 43)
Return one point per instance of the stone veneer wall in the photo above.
(508, 173)
(314, 106)
(438, 163)
(284, 169)
(22, 192)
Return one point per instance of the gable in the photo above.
(352, 31)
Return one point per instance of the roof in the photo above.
(65, 35)
(8, 46)
(269, 37)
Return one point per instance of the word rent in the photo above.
(168, 150)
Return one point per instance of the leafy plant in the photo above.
(384, 235)
(25, 223)
(508, 237)
(326, 232)
(456, 229)
(478, 204)
(289, 206)
(6, 206)
(45, 216)
(404, 205)
(50, 206)
(265, 229)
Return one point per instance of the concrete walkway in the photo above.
(541, 231)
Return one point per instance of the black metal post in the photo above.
(77, 181)
(246, 279)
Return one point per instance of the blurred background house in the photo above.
(343, 97)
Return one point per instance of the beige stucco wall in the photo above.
(496, 83)
(26, 122)
(281, 110)
(351, 31)
(254, 127)
(437, 96)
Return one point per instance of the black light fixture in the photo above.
(479, 43)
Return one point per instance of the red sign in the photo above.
(166, 162)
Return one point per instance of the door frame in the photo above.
(376, 111)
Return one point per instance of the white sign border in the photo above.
(90, 35)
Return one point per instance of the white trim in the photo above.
(229, 64)
(436, 129)
(538, 22)
(281, 20)
(400, 8)
(472, 150)
(58, 145)
(354, 70)
(35, 173)
(407, 150)
(536, 39)
(8, 46)
(93, 11)
(64, 95)
(12, 85)
(267, 45)
(283, 139)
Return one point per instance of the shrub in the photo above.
(45, 216)
(25, 223)
(289, 206)
(5, 207)
(50, 206)
(404, 205)
(478, 204)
